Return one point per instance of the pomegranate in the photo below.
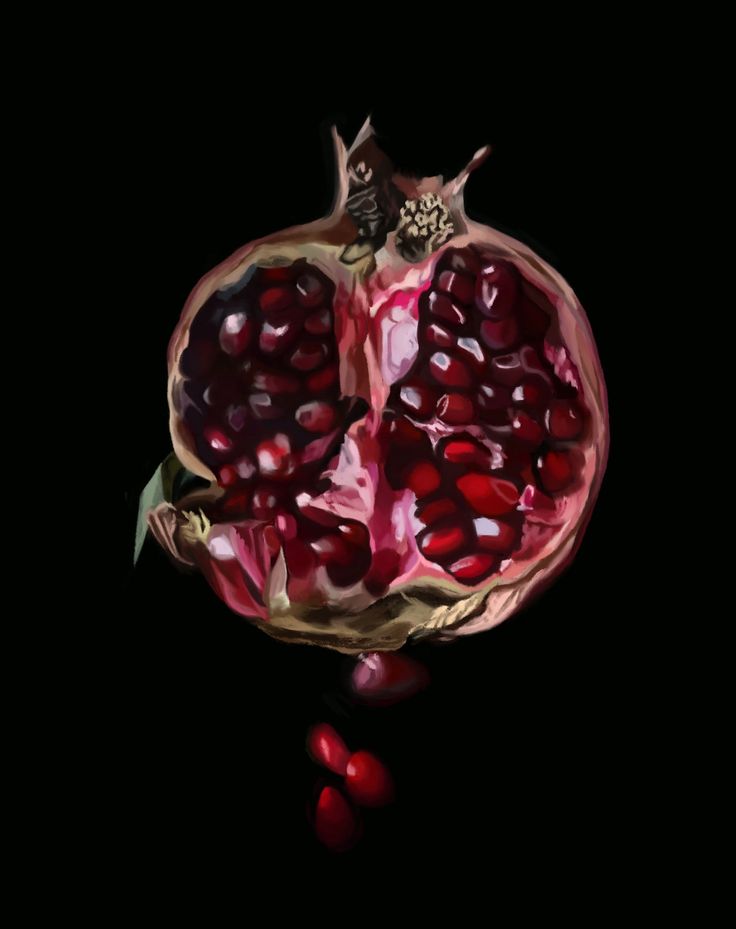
(399, 414)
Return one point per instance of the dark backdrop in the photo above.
(525, 748)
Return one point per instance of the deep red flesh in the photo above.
(262, 401)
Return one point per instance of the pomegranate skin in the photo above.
(303, 581)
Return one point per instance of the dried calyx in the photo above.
(399, 416)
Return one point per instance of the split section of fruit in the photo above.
(476, 432)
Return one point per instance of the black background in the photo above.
(526, 749)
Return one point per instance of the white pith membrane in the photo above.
(376, 316)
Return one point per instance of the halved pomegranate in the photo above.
(400, 414)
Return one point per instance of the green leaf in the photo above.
(157, 490)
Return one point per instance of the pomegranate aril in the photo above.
(322, 380)
(335, 824)
(217, 440)
(423, 479)
(471, 353)
(319, 323)
(263, 407)
(237, 417)
(531, 393)
(497, 289)
(557, 469)
(433, 512)
(491, 398)
(464, 261)
(438, 543)
(276, 299)
(345, 575)
(316, 416)
(309, 355)
(227, 476)
(368, 780)
(534, 321)
(236, 502)
(439, 336)
(355, 533)
(236, 333)
(327, 748)
(472, 567)
(460, 287)
(463, 451)
(488, 495)
(385, 678)
(455, 409)
(265, 503)
(384, 569)
(404, 432)
(276, 274)
(500, 335)
(278, 334)
(301, 562)
(275, 460)
(448, 371)
(310, 290)
(419, 399)
(494, 535)
(315, 513)
(564, 420)
(507, 369)
(275, 383)
(333, 548)
(443, 308)
(525, 429)
(532, 363)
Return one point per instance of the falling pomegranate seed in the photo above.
(335, 824)
(423, 478)
(488, 495)
(316, 416)
(368, 780)
(437, 543)
(385, 678)
(455, 409)
(327, 748)
(472, 567)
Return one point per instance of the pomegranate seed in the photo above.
(368, 780)
(556, 470)
(287, 526)
(455, 409)
(263, 407)
(265, 502)
(357, 566)
(532, 393)
(319, 323)
(197, 359)
(464, 261)
(423, 478)
(321, 380)
(564, 420)
(472, 353)
(458, 286)
(327, 748)
(432, 512)
(237, 502)
(275, 460)
(276, 299)
(309, 291)
(385, 678)
(335, 824)
(384, 569)
(489, 496)
(534, 321)
(236, 333)
(332, 549)
(355, 533)
(494, 535)
(316, 416)
(439, 542)
(491, 397)
(472, 567)
(531, 362)
(309, 355)
(507, 369)
(227, 476)
(443, 308)
(404, 432)
(462, 451)
(217, 440)
(277, 335)
(439, 336)
(449, 371)
(418, 398)
(276, 274)
(525, 429)
(300, 559)
(500, 335)
(315, 513)
(272, 540)
(237, 417)
(275, 383)
(496, 290)
(245, 468)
